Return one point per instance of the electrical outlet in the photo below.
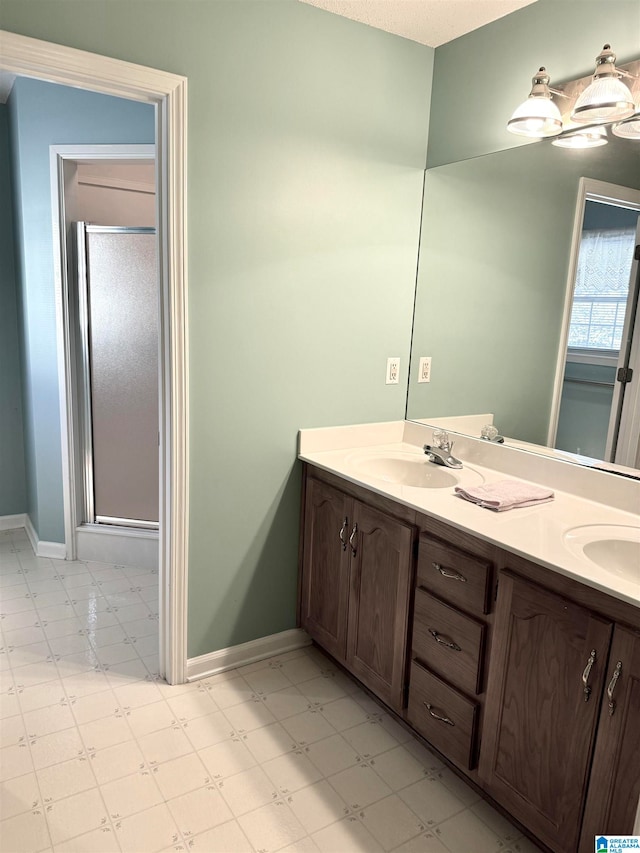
(393, 371)
(424, 371)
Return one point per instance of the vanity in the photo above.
(509, 641)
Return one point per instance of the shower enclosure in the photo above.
(116, 328)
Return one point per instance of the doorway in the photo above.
(596, 400)
(29, 57)
(111, 315)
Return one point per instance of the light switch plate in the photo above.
(393, 371)
(424, 370)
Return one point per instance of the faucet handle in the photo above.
(490, 433)
(441, 439)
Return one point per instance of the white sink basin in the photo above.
(613, 547)
(409, 469)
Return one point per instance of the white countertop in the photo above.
(535, 532)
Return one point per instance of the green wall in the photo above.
(480, 78)
(13, 492)
(307, 144)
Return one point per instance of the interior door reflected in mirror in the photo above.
(494, 290)
(595, 415)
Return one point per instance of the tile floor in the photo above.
(97, 754)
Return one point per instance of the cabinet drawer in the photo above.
(448, 642)
(443, 716)
(455, 576)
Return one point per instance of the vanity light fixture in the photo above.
(629, 129)
(606, 98)
(538, 116)
(599, 101)
(588, 137)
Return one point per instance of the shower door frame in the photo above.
(84, 454)
(56, 63)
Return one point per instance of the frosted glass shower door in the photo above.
(118, 318)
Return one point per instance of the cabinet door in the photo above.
(538, 731)
(381, 574)
(614, 789)
(325, 570)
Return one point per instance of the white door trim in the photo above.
(168, 92)
(627, 451)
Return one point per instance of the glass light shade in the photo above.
(606, 99)
(538, 116)
(587, 138)
(628, 129)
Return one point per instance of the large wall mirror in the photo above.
(491, 300)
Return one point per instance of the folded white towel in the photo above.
(506, 494)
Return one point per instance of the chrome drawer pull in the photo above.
(612, 687)
(454, 576)
(437, 716)
(586, 674)
(448, 643)
(345, 524)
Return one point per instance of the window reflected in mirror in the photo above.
(592, 409)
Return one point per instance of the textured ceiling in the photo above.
(430, 22)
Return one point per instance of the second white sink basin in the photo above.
(409, 469)
(613, 547)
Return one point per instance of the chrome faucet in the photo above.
(440, 452)
(490, 433)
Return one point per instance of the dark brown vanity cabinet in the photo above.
(551, 744)
(546, 678)
(325, 567)
(526, 680)
(449, 647)
(613, 797)
(357, 569)
(381, 573)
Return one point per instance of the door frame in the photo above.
(627, 449)
(74, 429)
(42, 60)
(588, 188)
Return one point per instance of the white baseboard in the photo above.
(124, 546)
(31, 533)
(57, 550)
(264, 647)
(12, 522)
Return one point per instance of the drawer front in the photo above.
(448, 642)
(443, 716)
(451, 574)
